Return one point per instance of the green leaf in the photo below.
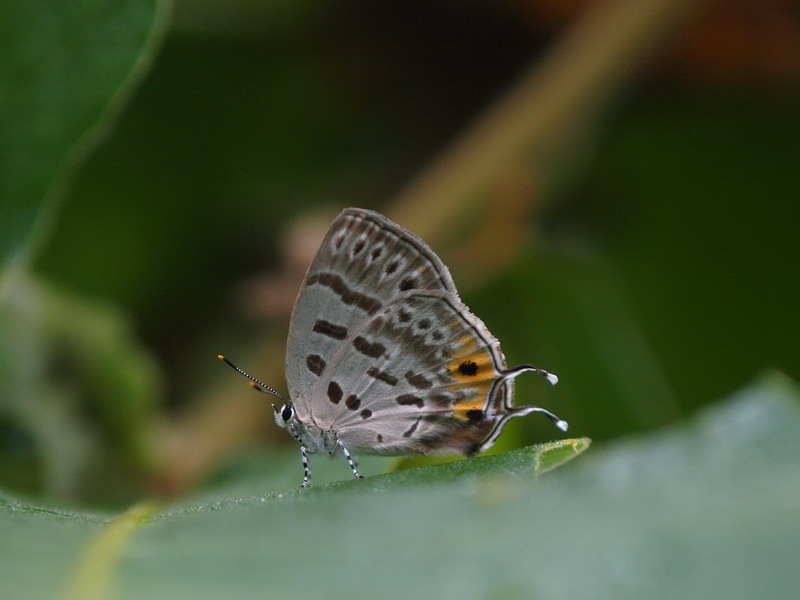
(66, 68)
(706, 510)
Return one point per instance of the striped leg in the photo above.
(306, 468)
(350, 461)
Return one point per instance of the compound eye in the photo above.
(287, 412)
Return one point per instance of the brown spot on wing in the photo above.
(327, 328)
(418, 381)
(350, 297)
(410, 400)
(382, 375)
(367, 348)
(334, 392)
(315, 364)
(352, 402)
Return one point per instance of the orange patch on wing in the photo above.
(477, 399)
(462, 410)
(473, 371)
(473, 368)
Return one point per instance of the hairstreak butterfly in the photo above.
(384, 358)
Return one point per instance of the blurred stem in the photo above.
(557, 99)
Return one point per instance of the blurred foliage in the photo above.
(159, 198)
(77, 392)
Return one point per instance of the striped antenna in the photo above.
(256, 384)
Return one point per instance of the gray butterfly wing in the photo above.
(423, 375)
(363, 264)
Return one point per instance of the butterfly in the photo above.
(383, 357)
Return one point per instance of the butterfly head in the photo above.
(285, 416)
(312, 438)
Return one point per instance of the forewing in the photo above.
(363, 264)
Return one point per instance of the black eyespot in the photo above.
(287, 412)
(468, 368)
(475, 415)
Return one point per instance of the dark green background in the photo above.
(153, 164)
(663, 272)
(689, 200)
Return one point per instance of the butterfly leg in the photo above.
(306, 468)
(350, 461)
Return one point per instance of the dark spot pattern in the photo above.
(334, 392)
(376, 253)
(315, 364)
(443, 398)
(406, 284)
(424, 324)
(358, 247)
(391, 267)
(338, 240)
(367, 348)
(468, 368)
(475, 415)
(349, 297)
(379, 438)
(418, 381)
(437, 336)
(366, 413)
(352, 402)
(382, 375)
(410, 400)
(403, 315)
(336, 332)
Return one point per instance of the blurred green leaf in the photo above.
(578, 322)
(66, 67)
(38, 547)
(74, 379)
(693, 200)
(706, 510)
